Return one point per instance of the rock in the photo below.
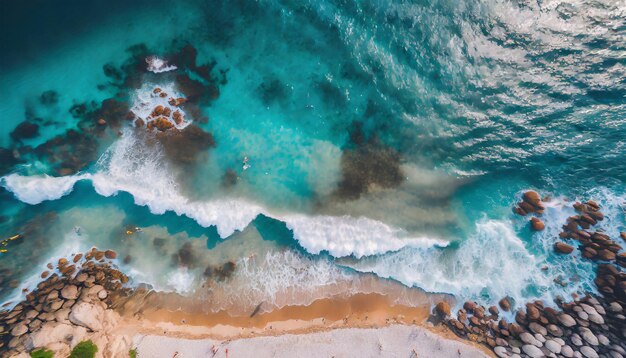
(81, 277)
(567, 351)
(500, 351)
(576, 340)
(589, 337)
(110, 254)
(532, 312)
(69, 292)
(606, 255)
(603, 340)
(540, 338)
(103, 295)
(87, 315)
(533, 198)
(567, 320)
(62, 315)
(505, 304)
(53, 295)
(553, 346)
(494, 311)
(19, 330)
(615, 307)
(537, 328)
(554, 330)
(588, 352)
(563, 248)
(530, 339)
(469, 306)
(51, 333)
(56, 305)
(537, 224)
(532, 351)
(583, 315)
(596, 318)
(102, 122)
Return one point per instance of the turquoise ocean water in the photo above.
(391, 137)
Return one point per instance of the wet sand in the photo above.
(343, 326)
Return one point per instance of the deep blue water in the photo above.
(377, 133)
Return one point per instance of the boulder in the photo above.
(532, 351)
(505, 304)
(19, 330)
(537, 224)
(567, 320)
(69, 292)
(553, 346)
(589, 352)
(52, 333)
(567, 351)
(537, 328)
(110, 254)
(533, 198)
(87, 315)
(563, 248)
(500, 351)
(589, 337)
(532, 312)
(442, 308)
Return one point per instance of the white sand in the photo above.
(393, 341)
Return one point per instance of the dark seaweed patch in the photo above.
(7, 160)
(185, 256)
(25, 130)
(183, 146)
(366, 165)
(49, 98)
(272, 90)
(229, 178)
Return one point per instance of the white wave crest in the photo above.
(38, 188)
(158, 65)
(132, 167)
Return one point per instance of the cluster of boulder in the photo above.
(531, 204)
(595, 245)
(71, 305)
(593, 326)
(163, 117)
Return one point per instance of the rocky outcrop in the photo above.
(68, 308)
(594, 326)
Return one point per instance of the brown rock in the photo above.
(606, 255)
(110, 254)
(102, 122)
(443, 309)
(589, 253)
(77, 257)
(469, 306)
(494, 311)
(505, 304)
(563, 248)
(532, 198)
(537, 224)
(532, 312)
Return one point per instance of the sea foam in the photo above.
(140, 170)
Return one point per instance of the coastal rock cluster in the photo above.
(593, 326)
(164, 117)
(72, 304)
(531, 204)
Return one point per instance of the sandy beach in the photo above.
(392, 341)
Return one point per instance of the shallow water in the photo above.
(384, 137)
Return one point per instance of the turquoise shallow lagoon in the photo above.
(324, 140)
